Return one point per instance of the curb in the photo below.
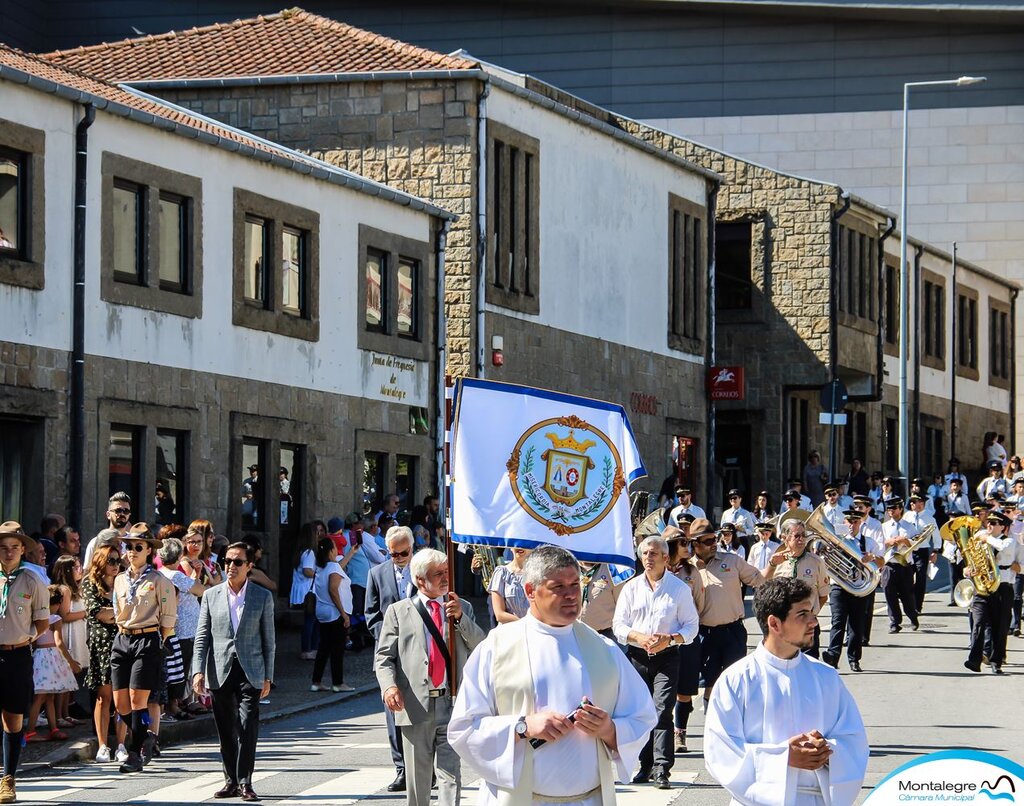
(197, 728)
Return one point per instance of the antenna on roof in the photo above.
(137, 32)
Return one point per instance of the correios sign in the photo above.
(726, 383)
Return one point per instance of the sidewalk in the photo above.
(290, 695)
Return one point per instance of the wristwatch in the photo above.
(521, 727)
(673, 641)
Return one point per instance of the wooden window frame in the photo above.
(930, 283)
(998, 308)
(687, 270)
(967, 370)
(25, 267)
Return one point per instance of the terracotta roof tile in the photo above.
(287, 43)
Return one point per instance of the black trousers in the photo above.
(660, 672)
(869, 615)
(921, 557)
(992, 612)
(236, 710)
(848, 618)
(956, 573)
(900, 590)
(720, 647)
(332, 646)
(1018, 601)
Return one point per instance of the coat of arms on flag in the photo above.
(530, 467)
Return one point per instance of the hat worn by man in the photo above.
(853, 514)
(765, 525)
(682, 488)
(916, 497)
(977, 507)
(998, 517)
(253, 467)
(335, 525)
(995, 464)
(141, 531)
(13, 529)
(887, 480)
(701, 527)
(734, 492)
(685, 518)
(832, 487)
(863, 499)
(894, 502)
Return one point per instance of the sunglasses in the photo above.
(121, 511)
(399, 553)
(112, 561)
(193, 542)
(136, 547)
(235, 561)
(711, 541)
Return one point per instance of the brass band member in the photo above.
(993, 611)
(145, 611)
(896, 533)
(795, 561)
(681, 562)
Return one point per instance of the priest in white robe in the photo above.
(526, 683)
(781, 728)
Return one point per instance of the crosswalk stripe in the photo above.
(191, 789)
(647, 795)
(345, 789)
(59, 787)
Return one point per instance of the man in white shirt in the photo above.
(897, 533)
(995, 483)
(781, 728)
(761, 552)
(684, 507)
(738, 516)
(655, 615)
(871, 528)
(797, 485)
(992, 611)
(928, 552)
(520, 720)
(831, 510)
(953, 472)
(849, 611)
(956, 500)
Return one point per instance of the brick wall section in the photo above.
(795, 219)
(416, 136)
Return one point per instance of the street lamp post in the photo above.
(904, 411)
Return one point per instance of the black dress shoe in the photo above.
(132, 764)
(915, 626)
(661, 781)
(247, 793)
(830, 660)
(855, 666)
(895, 629)
(229, 790)
(974, 667)
(398, 785)
(642, 777)
(997, 669)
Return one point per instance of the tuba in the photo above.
(489, 561)
(906, 552)
(978, 556)
(845, 564)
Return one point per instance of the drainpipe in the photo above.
(76, 449)
(882, 324)
(711, 351)
(833, 316)
(1013, 361)
(918, 251)
(953, 358)
(481, 223)
(440, 245)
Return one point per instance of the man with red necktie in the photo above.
(415, 671)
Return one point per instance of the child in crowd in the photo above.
(53, 670)
(67, 574)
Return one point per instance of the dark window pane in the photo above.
(733, 286)
(376, 291)
(374, 468)
(405, 481)
(252, 485)
(123, 468)
(12, 200)
(172, 227)
(406, 323)
(127, 221)
(287, 485)
(292, 268)
(170, 469)
(255, 260)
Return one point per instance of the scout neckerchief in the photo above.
(586, 578)
(133, 584)
(794, 562)
(8, 582)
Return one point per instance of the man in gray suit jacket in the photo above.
(414, 673)
(388, 583)
(234, 656)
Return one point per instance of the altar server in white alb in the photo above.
(781, 728)
(520, 720)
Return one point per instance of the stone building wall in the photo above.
(416, 136)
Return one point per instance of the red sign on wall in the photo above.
(726, 383)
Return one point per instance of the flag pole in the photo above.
(449, 391)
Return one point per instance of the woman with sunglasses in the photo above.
(145, 611)
(681, 562)
(96, 590)
(197, 561)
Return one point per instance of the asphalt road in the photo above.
(914, 694)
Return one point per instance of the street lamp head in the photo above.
(966, 81)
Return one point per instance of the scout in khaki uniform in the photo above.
(145, 610)
(24, 616)
(681, 563)
(794, 560)
(600, 593)
(723, 638)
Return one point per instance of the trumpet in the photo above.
(905, 552)
(978, 556)
(846, 565)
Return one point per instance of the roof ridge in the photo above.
(133, 41)
(44, 62)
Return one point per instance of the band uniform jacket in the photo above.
(401, 658)
(217, 643)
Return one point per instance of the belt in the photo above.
(643, 653)
(11, 647)
(140, 631)
(721, 626)
(567, 798)
(437, 692)
(1005, 567)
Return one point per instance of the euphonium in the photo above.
(978, 556)
(488, 560)
(905, 552)
(845, 564)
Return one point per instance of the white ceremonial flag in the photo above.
(530, 467)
